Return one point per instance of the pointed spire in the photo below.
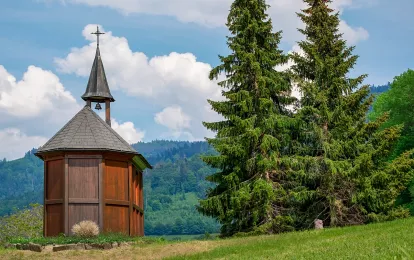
(98, 88)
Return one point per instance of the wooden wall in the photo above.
(116, 217)
(104, 189)
(137, 228)
(53, 210)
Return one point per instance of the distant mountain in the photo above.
(379, 89)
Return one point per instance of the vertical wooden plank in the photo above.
(44, 198)
(141, 204)
(101, 197)
(131, 196)
(84, 178)
(66, 198)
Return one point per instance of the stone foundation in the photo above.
(56, 248)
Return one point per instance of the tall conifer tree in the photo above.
(255, 130)
(348, 180)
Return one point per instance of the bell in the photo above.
(98, 106)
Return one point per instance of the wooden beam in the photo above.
(52, 202)
(117, 157)
(131, 196)
(138, 208)
(108, 112)
(84, 156)
(83, 201)
(117, 202)
(141, 203)
(53, 158)
(45, 198)
(100, 193)
(66, 197)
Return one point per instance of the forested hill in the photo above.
(379, 89)
(171, 189)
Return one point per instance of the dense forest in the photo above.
(172, 188)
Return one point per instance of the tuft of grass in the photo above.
(86, 228)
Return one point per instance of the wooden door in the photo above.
(83, 191)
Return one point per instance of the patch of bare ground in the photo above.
(147, 252)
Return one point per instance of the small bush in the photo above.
(394, 214)
(27, 224)
(85, 229)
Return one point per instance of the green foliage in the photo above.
(21, 183)
(182, 217)
(255, 131)
(26, 224)
(344, 176)
(397, 102)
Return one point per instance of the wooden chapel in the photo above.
(90, 171)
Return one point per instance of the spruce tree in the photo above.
(255, 132)
(343, 171)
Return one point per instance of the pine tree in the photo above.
(343, 172)
(255, 132)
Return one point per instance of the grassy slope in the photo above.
(392, 240)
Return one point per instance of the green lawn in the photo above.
(391, 240)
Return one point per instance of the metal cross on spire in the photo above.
(97, 33)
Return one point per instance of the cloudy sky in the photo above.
(157, 55)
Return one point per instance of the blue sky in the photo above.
(157, 55)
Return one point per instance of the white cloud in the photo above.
(213, 13)
(128, 131)
(37, 94)
(135, 73)
(353, 35)
(14, 143)
(30, 109)
(176, 121)
(173, 117)
(177, 78)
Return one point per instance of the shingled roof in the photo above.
(87, 131)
